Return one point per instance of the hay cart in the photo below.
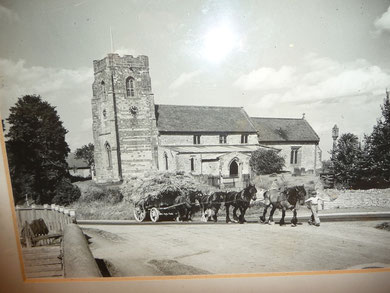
(154, 208)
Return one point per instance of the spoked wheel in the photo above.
(154, 214)
(139, 214)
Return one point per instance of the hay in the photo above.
(159, 185)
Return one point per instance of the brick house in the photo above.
(133, 135)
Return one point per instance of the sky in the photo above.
(277, 58)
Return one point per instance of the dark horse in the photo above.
(288, 199)
(239, 200)
(210, 205)
(186, 205)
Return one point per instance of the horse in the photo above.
(289, 199)
(239, 200)
(187, 205)
(210, 204)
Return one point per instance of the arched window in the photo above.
(130, 87)
(103, 89)
(108, 152)
(166, 161)
(104, 113)
(233, 169)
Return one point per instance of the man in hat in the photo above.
(313, 205)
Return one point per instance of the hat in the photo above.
(313, 192)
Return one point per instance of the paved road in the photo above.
(150, 250)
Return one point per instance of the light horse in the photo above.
(289, 199)
(239, 200)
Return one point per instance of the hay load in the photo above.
(161, 186)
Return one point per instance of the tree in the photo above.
(378, 145)
(36, 149)
(265, 162)
(85, 153)
(345, 158)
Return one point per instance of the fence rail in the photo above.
(55, 217)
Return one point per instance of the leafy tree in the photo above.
(85, 153)
(345, 158)
(378, 145)
(265, 162)
(36, 149)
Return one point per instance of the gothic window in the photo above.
(233, 169)
(196, 139)
(130, 87)
(222, 138)
(244, 138)
(103, 89)
(192, 164)
(166, 161)
(108, 153)
(294, 155)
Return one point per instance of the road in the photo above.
(159, 249)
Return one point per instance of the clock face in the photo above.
(133, 110)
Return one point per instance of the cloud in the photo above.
(8, 14)
(69, 90)
(383, 23)
(125, 51)
(317, 80)
(183, 79)
(266, 78)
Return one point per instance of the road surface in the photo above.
(159, 249)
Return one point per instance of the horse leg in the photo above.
(294, 220)
(282, 219)
(262, 218)
(235, 218)
(227, 213)
(203, 218)
(215, 216)
(242, 215)
(271, 216)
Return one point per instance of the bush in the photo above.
(66, 193)
(265, 162)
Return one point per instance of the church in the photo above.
(133, 135)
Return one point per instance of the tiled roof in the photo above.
(284, 129)
(76, 163)
(174, 118)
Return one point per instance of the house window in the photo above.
(130, 87)
(233, 169)
(109, 157)
(166, 161)
(196, 139)
(244, 138)
(192, 164)
(294, 155)
(222, 138)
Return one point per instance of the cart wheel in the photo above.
(154, 214)
(139, 214)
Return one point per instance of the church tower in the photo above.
(124, 121)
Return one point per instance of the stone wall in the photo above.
(205, 139)
(308, 156)
(124, 121)
(357, 198)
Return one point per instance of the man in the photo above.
(313, 205)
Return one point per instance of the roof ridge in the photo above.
(277, 118)
(199, 106)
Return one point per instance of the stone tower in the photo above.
(124, 121)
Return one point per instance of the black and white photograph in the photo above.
(153, 139)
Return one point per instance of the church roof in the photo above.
(284, 129)
(195, 119)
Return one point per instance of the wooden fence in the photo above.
(54, 216)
